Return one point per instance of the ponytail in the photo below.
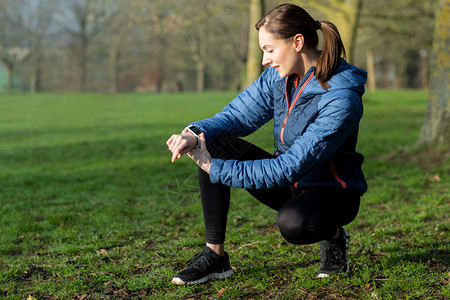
(333, 48)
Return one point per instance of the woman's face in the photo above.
(279, 54)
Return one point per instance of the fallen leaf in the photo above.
(220, 293)
(435, 178)
(380, 254)
(31, 297)
(107, 283)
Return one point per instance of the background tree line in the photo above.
(195, 45)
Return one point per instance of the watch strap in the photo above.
(196, 132)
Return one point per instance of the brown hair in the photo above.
(287, 20)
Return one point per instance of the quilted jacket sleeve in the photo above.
(246, 113)
(338, 116)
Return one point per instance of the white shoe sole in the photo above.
(222, 275)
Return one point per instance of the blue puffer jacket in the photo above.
(316, 132)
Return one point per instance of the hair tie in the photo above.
(318, 25)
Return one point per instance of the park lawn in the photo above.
(91, 206)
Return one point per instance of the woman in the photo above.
(314, 179)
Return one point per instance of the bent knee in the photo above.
(293, 226)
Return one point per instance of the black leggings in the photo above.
(303, 217)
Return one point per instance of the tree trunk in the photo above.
(35, 76)
(345, 15)
(10, 80)
(371, 78)
(114, 55)
(423, 69)
(198, 49)
(436, 127)
(200, 83)
(355, 26)
(35, 80)
(83, 64)
(113, 65)
(254, 54)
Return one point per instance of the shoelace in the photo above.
(200, 261)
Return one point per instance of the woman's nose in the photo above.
(266, 61)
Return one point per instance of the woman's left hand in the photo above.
(201, 156)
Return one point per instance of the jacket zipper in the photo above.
(336, 176)
(292, 104)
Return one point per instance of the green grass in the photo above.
(92, 207)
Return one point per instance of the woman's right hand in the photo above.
(180, 144)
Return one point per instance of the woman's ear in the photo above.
(299, 41)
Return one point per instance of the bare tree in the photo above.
(397, 33)
(201, 36)
(254, 54)
(179, 33)
(160, 24)
(11, 57)
(345, 14)
(117, 35)
(436, 128)
(231, 46)
(39, 17)
(87, 18)
(13, 45)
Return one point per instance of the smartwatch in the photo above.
(196, 132)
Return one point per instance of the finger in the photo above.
(179, 149)
(174, 148)
(172, 141)
(174, 158)
(169, 141)
(175, 155)
(176, 143)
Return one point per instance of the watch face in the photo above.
(195, 130)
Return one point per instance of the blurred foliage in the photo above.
(175, 45)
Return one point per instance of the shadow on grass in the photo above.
(109, 148)
(428, 254)
(90, 142)
(275, 269)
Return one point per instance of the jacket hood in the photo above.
(346, 76)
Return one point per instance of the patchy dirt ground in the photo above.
(426, 159)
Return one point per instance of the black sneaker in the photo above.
(204, 266)
(333, 255)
